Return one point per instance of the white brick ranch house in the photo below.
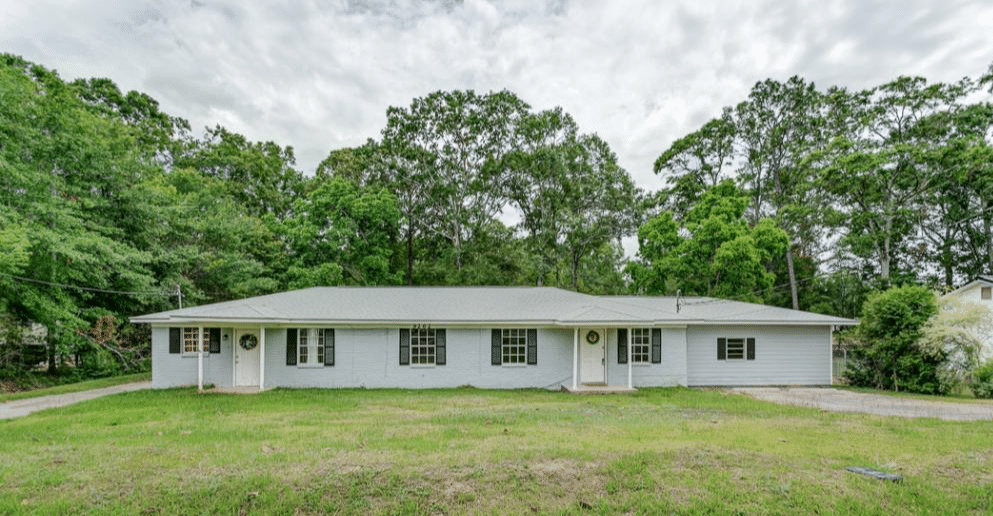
(488, 337)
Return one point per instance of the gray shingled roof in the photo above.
(478, 305)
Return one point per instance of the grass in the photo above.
(78, 387)
(468, 451)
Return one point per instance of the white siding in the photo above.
(671, 372)
(370, 358)
(784, 355)
(172, 370)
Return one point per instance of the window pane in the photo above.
(303, 353)
(191, 338)
(514, 345)
(641, 340)
(422, 346)
(736, 349)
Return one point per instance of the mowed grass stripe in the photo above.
(469, 451)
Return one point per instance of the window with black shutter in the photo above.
(175, 340)
(735, 348)
(329, 347)
(404, 346)
(622, 345)
(532, 347)
(496, 347)
(656, 345)
(291, 346)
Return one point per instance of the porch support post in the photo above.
(200, 358)
(575, 359)
(630, 338)
(261, 358)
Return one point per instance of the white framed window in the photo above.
(423, 343)
(736, 349)
(986, 293)
(641, 345)
(191, 340)
(310, 346)
(514, 346)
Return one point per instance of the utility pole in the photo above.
(179, 294)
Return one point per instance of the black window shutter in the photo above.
(439, 347)
(329, 347)
(404, 346)
(656, 345)
(532, 347)
(722, 349)
(214, 339)
(751, 348)
(175, 340)
(291, 346)
(622, 345)
(496, 347)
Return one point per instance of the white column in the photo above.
(575, 358)
(200, 358)
(630, 338)
(262, 358)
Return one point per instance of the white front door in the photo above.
(246, 358)
(592, 355)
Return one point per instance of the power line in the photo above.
(90, 289)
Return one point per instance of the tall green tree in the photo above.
(341, 234)
(713, 251)
(259, 175)
(450, 145)
(698, 161)
(779, 127)
(877, 171)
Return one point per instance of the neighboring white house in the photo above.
(980, 292)
(490, 337)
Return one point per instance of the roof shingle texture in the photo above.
(480, 305)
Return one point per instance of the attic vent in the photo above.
(987, 293)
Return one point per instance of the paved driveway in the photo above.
(18, 408)
(837, 400)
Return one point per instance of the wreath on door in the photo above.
(592, 337)
(248, 342)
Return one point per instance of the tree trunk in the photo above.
(52, 366)
(989, 238)
(791, 271)
(576, 257)
(946, 259)
(410, 255)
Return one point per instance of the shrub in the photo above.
(982, 381)
(886, 353)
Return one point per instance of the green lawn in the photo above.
(467, 451)
(78, 387)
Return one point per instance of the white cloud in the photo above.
(319, 75)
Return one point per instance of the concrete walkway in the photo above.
(18, 408)
(837, 400)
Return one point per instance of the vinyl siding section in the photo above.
(669, 373)
(370, 358)
(174, 370)
(784, 355)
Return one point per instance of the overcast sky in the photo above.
(640, 73)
